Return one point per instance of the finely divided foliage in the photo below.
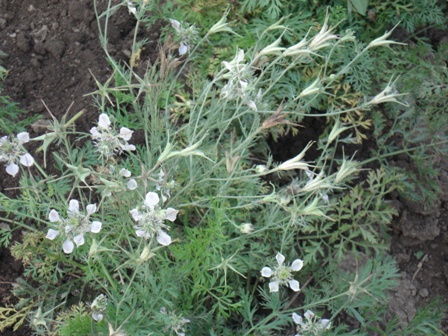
(171, 235)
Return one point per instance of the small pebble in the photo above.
(424, 292)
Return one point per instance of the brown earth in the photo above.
(51, 47)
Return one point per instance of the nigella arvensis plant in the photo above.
(108, 141)
(282, 275)
(240, 77)
(12, 152)
(150, 219)
(75, 226)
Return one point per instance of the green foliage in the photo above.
(175, 230)
(12, 118)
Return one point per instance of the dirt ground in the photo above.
(51, 45)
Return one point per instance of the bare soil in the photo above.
(51, 47)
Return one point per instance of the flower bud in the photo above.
(145, 255)
(246, 228)
(382, 41)
(260, 169)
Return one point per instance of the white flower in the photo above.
(107, 140)
(186, 36)
(312, 325)
(281, 275)
(12, 152)
(150, 219)
(73, 227)
(98, 307)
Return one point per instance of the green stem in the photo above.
(403, 151)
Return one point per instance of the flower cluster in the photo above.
(239, 77)
(312, 325)
(98, 307)
(150, 218)
(12, 152)
(281, 275)
(187, 36)
(73, 227)
(108, 141)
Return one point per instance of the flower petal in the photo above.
(12, 169)
(26, 160)
(68, 246)
(141, 233)
(79, 239)
(126, 133)
(273, 286)
(136, 215)
(104, 121)
(95, 227)
(297, 319)
(23, 137)
(280, 258)
(127, 147)
(171, 214)
(308, 314)
(183, 49)
(266, 272)
(94, 132)
(252, 105)
(163, 238)
(54, 216)
(326, 323)
(151, 199)
(295, 285)
(132, 184)
(297, 265)
(91, 208)
(124, 172)
(52, 234)
(97, 316)
(175, 24)
(73, 206)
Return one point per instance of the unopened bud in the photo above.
(260, 169)
(382, 41)
(145, 255)
(295, 162)
(348, 169)
(246, 228)
(314, 88)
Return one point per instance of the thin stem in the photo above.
(403, 151)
